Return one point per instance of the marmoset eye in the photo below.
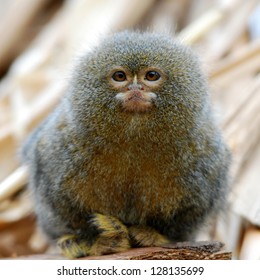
(119, 76)
(152, 76)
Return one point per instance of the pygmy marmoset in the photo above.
(132, 155)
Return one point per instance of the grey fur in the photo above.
(88, 146)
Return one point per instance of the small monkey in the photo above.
(132, 156)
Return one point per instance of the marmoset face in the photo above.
(136, 91)
(140, 74)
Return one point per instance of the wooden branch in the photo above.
(192, 33)
(242, 129)
(228, 33)
(235, 62)
(245, 198)
(204, 250)
(207, 21)
(13, 183)
(178, 251)
(251, 244)
(23, 12)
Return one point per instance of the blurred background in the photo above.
(39, 42)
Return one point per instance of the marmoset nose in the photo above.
(135, 87)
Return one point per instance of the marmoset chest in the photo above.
(132, 181)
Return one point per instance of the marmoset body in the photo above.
(132, 155)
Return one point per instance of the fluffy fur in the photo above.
(105, 179)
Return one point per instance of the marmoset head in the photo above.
(138, 73)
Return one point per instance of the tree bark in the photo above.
(203, 250)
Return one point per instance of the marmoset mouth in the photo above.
(136, 101)
(136, 98)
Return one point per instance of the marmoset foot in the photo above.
(112, 237)
(142, 236)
